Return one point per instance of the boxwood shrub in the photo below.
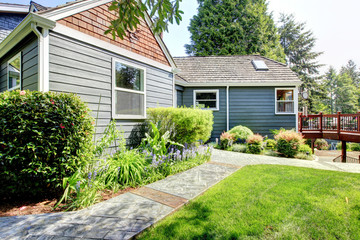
(241, 132)
(186, 125)
(43, 138)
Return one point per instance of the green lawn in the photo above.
(270, 202)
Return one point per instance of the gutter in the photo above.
(244, 84)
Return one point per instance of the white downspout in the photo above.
(297, 107)
(227, 108)
(43, 58)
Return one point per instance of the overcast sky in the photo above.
(333, 22)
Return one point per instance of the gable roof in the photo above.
(233, 70)
(37, 7)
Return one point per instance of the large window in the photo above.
(128, 90)
(206, 99)
(285, 101)
(14, 72)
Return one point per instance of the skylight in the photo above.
(259, 65)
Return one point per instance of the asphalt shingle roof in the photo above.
(232, 69)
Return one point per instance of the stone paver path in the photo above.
(127, 215)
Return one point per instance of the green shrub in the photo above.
(241, 132)
(355, 147)
(185, 125)
(304, 148)
(226, 140)
(254, 144)
(288, 142)
(270, 144)
(44, 137)
(239, 148)
(321, 144)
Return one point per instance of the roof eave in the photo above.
(239, 84)
(22, 30)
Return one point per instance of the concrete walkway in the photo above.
(125, 216)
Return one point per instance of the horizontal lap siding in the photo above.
(29, 57)
(255, 109)
(79, 68)
(219, 116)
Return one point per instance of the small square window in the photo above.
(285, 103)
(14, 72)
(206, 99)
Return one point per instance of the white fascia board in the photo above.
(72, 9)
(22, 30)
(161, 43)
(72, 33)
(14, 8)
(249, 84)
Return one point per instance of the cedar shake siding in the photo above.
(86, 70)
(29, 63)
(95, 22)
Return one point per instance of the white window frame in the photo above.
(7, 72)
(207, 91)
(294, 101)
(114, 89)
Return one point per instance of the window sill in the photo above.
(128, 117)
(285, 113)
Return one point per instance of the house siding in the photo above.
(254, 107)
(29, 60)
(219, 116)
(86, 70)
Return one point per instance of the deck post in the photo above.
(338, 124)
(313, 145)
(300, 122)
(343, 151)
(358, 122)
(321, 121)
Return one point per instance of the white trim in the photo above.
(22, 30)
(72, 33)
(293, 101)
(227, 108)
(20, 72)
(296, 97)
(247, 84)
(14, 8)
(71, 9)
(174, 92)
(207, 91)
(114, 88)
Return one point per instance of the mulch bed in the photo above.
(26, 207)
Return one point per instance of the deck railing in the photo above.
(330, 122)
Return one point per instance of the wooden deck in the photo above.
(342, 127)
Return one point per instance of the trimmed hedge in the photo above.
(43, 138)
(186, 125)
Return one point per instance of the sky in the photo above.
(333, 23)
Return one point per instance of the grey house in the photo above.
(64, 49)
(253, 91)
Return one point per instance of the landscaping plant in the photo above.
(321, 144)
(288, 142)
(226, 140)
(185, 125)
(44, 137)
(254, 144)
(270, 144)
(239, 148)
(241, 132)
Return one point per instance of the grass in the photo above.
(270, 202)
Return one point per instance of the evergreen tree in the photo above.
(351, 70)
(346, 99)
(234, 27)
(329, 84)
(298, 45)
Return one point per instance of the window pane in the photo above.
(206, 104)
(14, 71)
(129, 77)
(285, 95)
(129, 103)
(285, 107)
(206, 95)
